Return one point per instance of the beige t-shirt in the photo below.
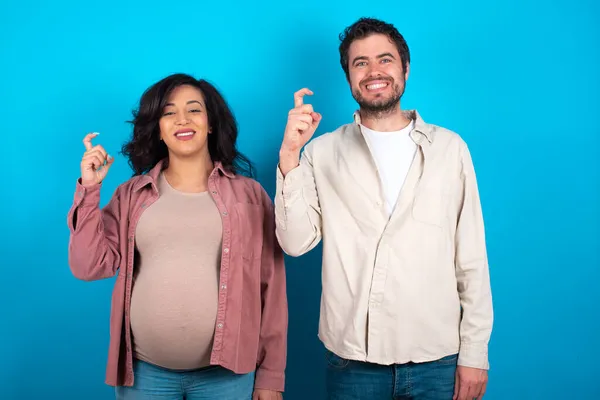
(175, 290)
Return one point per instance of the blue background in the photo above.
(518, 80)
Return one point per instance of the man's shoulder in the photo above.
(444, 134)
(442, 137)
(331, 138)
(438, 135)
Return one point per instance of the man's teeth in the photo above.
(376, 86)
(185, 134)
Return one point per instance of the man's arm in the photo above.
(472, 272)
(298, 215)
(297, 210)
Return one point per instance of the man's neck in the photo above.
(385, 122)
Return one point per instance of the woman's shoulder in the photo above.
(252, 188)
(132, 185)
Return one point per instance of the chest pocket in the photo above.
(429, 205)
(250, 222)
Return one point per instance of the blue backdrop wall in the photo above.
(518, 80)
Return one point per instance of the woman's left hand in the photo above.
(263, 394)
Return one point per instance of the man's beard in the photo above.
(380, 107)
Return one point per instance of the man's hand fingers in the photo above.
(299, 96)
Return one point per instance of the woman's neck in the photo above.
(189, 174)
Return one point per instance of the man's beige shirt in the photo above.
(413, 286)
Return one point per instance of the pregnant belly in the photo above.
(173, 322)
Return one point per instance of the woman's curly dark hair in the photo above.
(145, 149)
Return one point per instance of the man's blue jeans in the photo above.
(211, 383)
(355, 380)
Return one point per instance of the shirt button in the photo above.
(223, 287)
(214, 192)
(226, 250)
(219, 326)
(225, 213)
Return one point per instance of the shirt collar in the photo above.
(421, 127)
(152, 176)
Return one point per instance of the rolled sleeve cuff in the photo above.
(288, 200)
(473, 356)
(87, 196)
(292, 182)
(269, 380)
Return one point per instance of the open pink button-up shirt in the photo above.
(251, 327)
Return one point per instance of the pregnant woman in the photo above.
(199, 307)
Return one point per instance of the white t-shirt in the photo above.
(393, 153)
